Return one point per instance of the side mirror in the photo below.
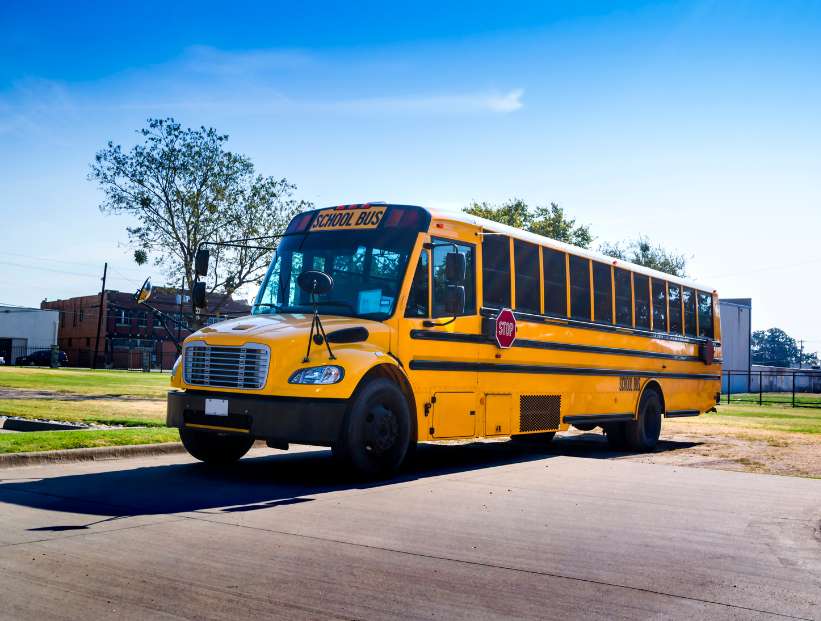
(455, 267)
(315, 282)
(198, 294)
(144, 292)
(201, 262)
(455, 300)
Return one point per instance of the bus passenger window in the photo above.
(441, 248)
(602, 293)
(496, 271)
(674, 298)
(579, 288)
(555, 282)
(418, 296)
(688, 296)
(641, 290)
(705, 314)
(624, 298)
(659, 305)
(526, 260)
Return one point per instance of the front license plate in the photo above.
(216, 407)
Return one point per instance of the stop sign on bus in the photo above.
(505, 328)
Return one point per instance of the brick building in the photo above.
(129, 331)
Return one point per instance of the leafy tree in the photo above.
(549, 221)
(642, 252)
(183, 187)
(774, 347)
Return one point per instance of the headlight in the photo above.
(318, 375)
(176, 365)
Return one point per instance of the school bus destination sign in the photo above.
(336, 220)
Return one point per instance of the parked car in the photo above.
(41, 357)
(2, 360)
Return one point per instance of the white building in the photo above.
(736, 331)
(23, 330)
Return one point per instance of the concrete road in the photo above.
(474, 531)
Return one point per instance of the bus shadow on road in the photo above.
(268, 481)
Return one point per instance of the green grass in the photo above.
(56, 440)
(774, 398)
(141, 413)
(85, 382)
(771, 418)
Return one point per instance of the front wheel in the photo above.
(377, 430)
(215, 448)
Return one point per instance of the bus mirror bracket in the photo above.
(315, 283)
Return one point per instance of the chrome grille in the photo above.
(224, 366)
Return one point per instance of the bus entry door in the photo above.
(454, 415)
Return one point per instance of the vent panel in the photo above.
(539, 412)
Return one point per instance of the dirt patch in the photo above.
(708, 445)
(765, 451)
(23, 393)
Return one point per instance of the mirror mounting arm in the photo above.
(165, 318)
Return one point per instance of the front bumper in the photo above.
(285, 419)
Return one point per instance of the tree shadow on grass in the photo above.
(268, 481)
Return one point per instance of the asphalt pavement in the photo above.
(475, 531)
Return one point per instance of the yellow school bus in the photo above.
(378, 326)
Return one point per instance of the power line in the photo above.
(767, 269)
(48, 269)
(61, 260)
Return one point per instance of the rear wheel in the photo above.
(215, 448)
(643, 433)
(377, 430)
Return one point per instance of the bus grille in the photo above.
(539, 412)
(223, 366)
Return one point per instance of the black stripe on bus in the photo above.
(598, 418)
(492, 367)
(602, 327)
(461, 337)
(680, 413)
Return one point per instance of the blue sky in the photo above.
(696, 123)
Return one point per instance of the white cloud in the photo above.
(204, 59)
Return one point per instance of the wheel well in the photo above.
(392, 372)
(656, 387)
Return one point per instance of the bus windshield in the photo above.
(367, 268)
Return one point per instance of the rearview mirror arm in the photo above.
(165, 318)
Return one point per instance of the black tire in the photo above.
(215, 448)
(643, 433)
(377, 430)
(585, 426)
(544, 437)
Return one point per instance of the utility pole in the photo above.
(801, 354)
(101, 311)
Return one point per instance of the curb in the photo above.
(27, 424)
(11, 460)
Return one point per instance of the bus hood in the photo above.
(288, 330)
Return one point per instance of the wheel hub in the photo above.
(381, 430)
